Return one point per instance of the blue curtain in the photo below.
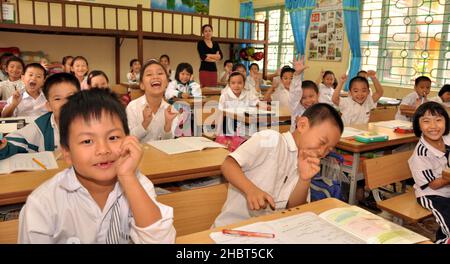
(246, 12)
(352, 27)
(300, 14)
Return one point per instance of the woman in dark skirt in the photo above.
(210, 53)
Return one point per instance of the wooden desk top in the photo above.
(211, 90)
(156, 165)
(316, 207)
(446, 174)
(349, 144)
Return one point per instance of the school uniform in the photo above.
(155, 130)
(41, 135)
(84, 85)
(295, 96)
(229, 100)
(354, 113)
(8, 87)
(130, 80)
(250, 86)
(438, 99)
(29, 106)
(62, 211)
(281, 95)
(426, 165)
(269, 160)
(176, 89)
(325, 94)
(410, 100)
(3, 76)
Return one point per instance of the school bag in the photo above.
(328, 182)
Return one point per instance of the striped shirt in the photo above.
(426, 165)
(41, 135)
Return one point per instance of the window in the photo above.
(404, 39)
(281, 40)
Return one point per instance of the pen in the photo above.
(39, 163)
(247, 233)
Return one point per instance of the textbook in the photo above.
(371, 137)
(345, 225)
(28, 162)
(394, 124)
(184, 144)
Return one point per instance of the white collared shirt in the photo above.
(174, 88)
(325, 94)
(354, 113)
(29, 106)
(438, 99)
(410, 100)
(61, 211)
(250, 86)
(426, 165)
(295, 96)
(229, 100)
(281, 95)
(155, 130)
(8, 87)
(269, 160)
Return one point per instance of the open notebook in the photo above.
(184, 144)
(346, 225)
(25, 162)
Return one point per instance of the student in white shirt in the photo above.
(30, 102)
(443, 96)
(102, 197)
(280, 93)
(14, 69)
(356, 107)
(80, 68)
(97, 79)
(251, 84)
(149, 116)
(3, 59)
(183, 86)
(273, 171)
(422, 87)
(165, 61)
(227, 69)
(431, 156)
(327, 84)
(43, 133)
(135, 67)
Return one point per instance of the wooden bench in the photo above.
(195, 210)
(388, 170)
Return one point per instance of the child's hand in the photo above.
(371, 74)
(3, 143)
(129, 157)
(16, 98)
(169, 115)
(258, 199)
(147, 116)
(185, 95)
(299, 64)
(344, 78)
(308, 164)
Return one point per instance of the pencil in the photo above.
(39, 163)
(247, 233)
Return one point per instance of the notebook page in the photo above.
(350, 132)
(24, 162)
(4, 166)
(200, 143)
(171, 146)
(370, 227)
(394, 123)
(304, 228)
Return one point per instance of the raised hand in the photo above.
(147, 116)
(344, 78)
(299, 64)
(371, 74)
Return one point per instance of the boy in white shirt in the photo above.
(149, 116)
(356, 107)
(280, 92)
(43, 133)
(14, 69)
(32, 101)
(274, 170)
(422, 87)
(443, 96)
(431, 156)
(102, 197)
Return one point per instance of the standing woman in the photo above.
(210, 53)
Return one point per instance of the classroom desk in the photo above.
(211, 90)
(156, 165)
(9, 231)
(316, 207)
(446, 174)
(356, 148)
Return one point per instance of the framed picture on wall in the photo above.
(187, 6)
(8, 13)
